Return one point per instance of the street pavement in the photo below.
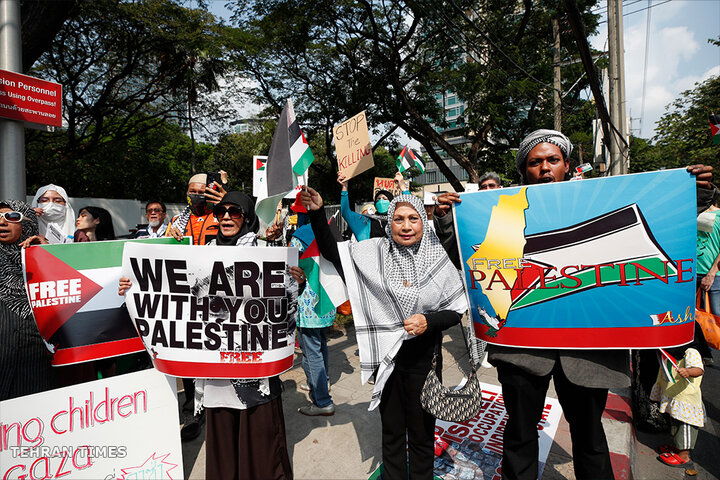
(706, 456)
(347, 445)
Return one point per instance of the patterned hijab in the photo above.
(12, 283)
(536, 138)
(388, 282)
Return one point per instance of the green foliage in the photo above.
(152, 163)
(683, 132)
(127, 68)
(393, 58)
(234, 152)
(682, 135)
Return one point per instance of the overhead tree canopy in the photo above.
(392, 58)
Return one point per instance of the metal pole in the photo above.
(12, 134)
(617, 86)
(557, 103)
(623, 127)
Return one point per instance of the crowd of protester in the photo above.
(401, 256)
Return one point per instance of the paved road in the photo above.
(706, 456)
(347, 445)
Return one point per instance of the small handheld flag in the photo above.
(408, 159)
(715, 128)
(667, 363)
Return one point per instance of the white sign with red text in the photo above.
(30, 99)
(473, 449)
(123, 428)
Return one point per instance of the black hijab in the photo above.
(250, 222)
(12, 283)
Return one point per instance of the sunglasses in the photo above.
(234, 212)
(13, 217)
(154, 210)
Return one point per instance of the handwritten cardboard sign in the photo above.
(352, 146)
(388, 184)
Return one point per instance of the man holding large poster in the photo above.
(581, 377)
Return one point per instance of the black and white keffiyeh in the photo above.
(542, 136)
(12, 282)
(387, 283)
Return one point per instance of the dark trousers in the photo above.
(188, 406)
(524, 395)
(401, 414)
(247, 444)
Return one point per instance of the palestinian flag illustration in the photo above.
(72, 289)
(259, 186)
(615, 248)
(408, 159)
(715, 128)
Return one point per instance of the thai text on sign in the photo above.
(30, 99)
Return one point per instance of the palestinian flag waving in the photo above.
(72, 289)
(321, 275)
(289, 157)
(667, 363)
(408, 159)
(715, 128)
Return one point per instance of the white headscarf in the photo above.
(67, 222)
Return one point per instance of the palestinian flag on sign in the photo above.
(289, 157)
(72, 289)
(667, 363)
(600, 239)
(715, 128)
(408, 159)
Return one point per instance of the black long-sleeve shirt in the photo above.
(415, 355)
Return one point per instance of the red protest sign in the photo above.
(30, 99)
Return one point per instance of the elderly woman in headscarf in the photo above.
(56, 218)
(404, 292)
(245, 434)
(24, 359)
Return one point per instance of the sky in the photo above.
(678, 52)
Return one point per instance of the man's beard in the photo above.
(154, 223)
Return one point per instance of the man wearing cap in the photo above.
(581, 377)
(198, 222)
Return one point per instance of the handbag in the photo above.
(449, 404)
(709, 323)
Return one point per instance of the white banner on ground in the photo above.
(214, 311)
(473, 449)
(124, 428)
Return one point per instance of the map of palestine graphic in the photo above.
(504, 239)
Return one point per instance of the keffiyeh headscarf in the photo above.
(12, 283)
(536, 138)
(387, 283)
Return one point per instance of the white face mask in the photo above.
(53, 212)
